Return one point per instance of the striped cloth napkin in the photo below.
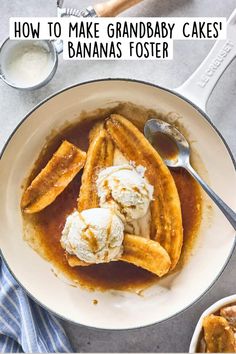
(24, 325)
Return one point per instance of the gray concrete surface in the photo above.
(173, 335)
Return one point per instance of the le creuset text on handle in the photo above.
(201, 83)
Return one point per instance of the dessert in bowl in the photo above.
(216, 329)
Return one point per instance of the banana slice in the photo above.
(54, 178)
(165, 209)
(100, 155)
(144, 253)
(147, 254)
(74, 261)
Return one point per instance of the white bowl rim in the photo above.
(203, 114)
(213, 308)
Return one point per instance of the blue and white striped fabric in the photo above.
(24, 325)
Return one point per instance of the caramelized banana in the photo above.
(218, 335)
(147, 254)
(144, 253)
(66, 162)
(100, 154)
(165, 208)
(74, 261)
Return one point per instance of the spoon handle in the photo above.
(226, 210)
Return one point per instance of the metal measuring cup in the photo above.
(54, 48)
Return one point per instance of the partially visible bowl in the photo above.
(212, 309)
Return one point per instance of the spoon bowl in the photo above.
(180, 154)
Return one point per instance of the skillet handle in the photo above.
(201, 83)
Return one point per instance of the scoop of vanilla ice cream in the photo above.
(124, 190)
(94, 235)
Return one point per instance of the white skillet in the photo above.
(122, 310)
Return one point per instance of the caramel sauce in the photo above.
(165, 145)
(48, 224)
(90, 237)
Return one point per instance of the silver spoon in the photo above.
(180, 157)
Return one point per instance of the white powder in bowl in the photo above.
(28, 64)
